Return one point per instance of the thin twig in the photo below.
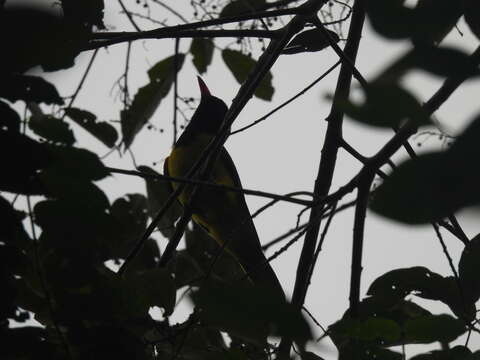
(182, 180)
(300, 93)
(175, 90)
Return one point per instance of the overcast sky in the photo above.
(282, 154)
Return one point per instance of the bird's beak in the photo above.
(203, 87)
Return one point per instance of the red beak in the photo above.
(203, 87)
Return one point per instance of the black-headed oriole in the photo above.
(223, 214)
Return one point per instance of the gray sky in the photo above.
(282, 154)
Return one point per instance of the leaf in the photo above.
(102, 130)
(431, 328)
(441, 61)
(424, 283)
(12, 231)
(310, 41)
(84, 193)
(434, 19)
(52, 129)
(78, 163)
(428, 23)
(158, 192)
(421, 190)
(20, 171)
(387, 105)
(456, 353)
(471, 10)
(433, 185)
(86, 13)
(53, 44)
(159, 289)
(250, 313)
(130, 214)
(468, 269)
(202, 52)
(239, 7)
(149, 97)
(390, 18)
(241, 66)
(29, 88)
(9, 119)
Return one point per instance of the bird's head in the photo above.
(210, 112)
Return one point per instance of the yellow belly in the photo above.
(206, 207)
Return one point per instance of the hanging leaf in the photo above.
(158, 192)
(239, 7)
(149, 97)
(202, 52)
(241, 66)
(310, 41)
(102, 130)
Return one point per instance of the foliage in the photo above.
(60, 252)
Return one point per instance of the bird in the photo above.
(224, 215)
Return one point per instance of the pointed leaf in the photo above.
(202, 52)
(149, 97)
(241, 66)
(102, 130)
(469, 268)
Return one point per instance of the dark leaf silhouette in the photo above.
(433, 185)
(20, 172)
(29, 88)
(239, 7)
(9, 119)
(148, 98)
(387, 105)
(471, 10)
(52, 129)
(202, 51)
(158, 192)
(468, 268)
(241, 66)
(310, 41)
(102, 130)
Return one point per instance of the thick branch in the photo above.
(327, 162)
